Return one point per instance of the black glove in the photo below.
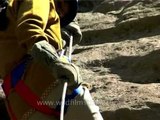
(60, 68)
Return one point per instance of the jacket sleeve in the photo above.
(32, 19)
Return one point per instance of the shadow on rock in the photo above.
(136, 69)
(151, 112)
(131, 30)
(141, 69)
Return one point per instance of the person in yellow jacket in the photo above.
(33, 72)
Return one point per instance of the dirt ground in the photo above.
(122, 67)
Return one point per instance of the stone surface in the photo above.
(120, 56)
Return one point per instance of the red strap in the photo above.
(32, 99)
(28, 96)
(7, 84)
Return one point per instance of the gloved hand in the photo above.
(72, 29)
(61, 69)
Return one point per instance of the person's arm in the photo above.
(32, 19)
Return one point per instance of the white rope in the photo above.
(66, 84)
(70, 48)
(63, 100)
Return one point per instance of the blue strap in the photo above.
(70, 97)
(18, 71)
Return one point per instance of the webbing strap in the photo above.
(18, 71)
(32, 99)
(16, 74)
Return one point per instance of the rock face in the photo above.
(120, 56)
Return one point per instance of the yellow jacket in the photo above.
(29, 21)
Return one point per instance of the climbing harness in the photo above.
(14, 82)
